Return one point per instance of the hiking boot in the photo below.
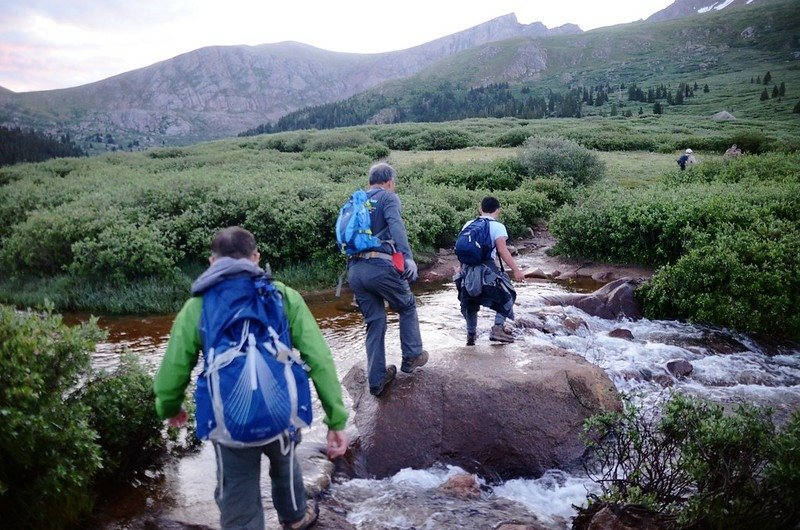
(308, 520)
(408, 365)
(499, 334)
(391, 371)
(471, 339)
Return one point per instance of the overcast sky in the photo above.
(47, 44)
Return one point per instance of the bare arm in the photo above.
(505, 255)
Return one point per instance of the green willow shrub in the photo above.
(513, 137)
(48, 453)
(771, 167)
(337, 139)
(744, 279)
(123, 252)
(375, 151)
(42, 244)
(558, 193)
(654, 225)
(288, 142)
(699, 465)
(473, 175)
(122, 413)
(560, 158)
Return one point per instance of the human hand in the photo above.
(178, 420)
(336, 444)
(410, 273)
(519, 275)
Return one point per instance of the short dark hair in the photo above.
(381, 173)
(233, 242)
(490, 204)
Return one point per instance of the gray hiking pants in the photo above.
(374, 281)
(238, 492)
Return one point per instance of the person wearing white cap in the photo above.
(687, 158)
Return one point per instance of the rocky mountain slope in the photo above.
(685, 8)
(219, 91)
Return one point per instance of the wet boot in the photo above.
(499, 334)
(471, 339)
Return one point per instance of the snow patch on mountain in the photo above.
(717, 6)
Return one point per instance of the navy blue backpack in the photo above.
(474, 244)
(253, 387)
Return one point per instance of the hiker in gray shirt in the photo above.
(375, 278)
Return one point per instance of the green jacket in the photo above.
(184, 347)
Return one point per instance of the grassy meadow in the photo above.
(127, 232)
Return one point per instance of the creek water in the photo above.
(728, 368)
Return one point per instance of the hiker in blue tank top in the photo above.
(253, 392)
(375, 278)
(484, 283)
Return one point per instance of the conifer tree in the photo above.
(764, 94)
(775, 91)
(782, 89)
(796, 109)
(705, 89)
(657, 108)
(767, 78)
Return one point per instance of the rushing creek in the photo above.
(728, 368)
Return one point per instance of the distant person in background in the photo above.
(732, 152)
(686, 159)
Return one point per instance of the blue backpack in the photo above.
(474, 244)
(354, 227)
(253, 387)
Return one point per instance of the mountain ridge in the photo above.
(219, 91)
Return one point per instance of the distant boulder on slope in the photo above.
(723, 116)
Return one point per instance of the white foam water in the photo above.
(727, 368)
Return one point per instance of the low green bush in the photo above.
(746, 279)
(560, 158)
(66, 430)
(654, 226)
(122, 252)
(288, 142)
(121, 411)
(697, 465)
(473, 175)
(48, 452)
(337, 139)
(513, 137)
(771, 167)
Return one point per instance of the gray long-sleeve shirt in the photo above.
(387, 223)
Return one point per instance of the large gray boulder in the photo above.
(612, 301)
(499, 411)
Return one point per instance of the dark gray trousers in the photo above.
(238, 492)
(374, 281)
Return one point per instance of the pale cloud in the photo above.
(46, 44)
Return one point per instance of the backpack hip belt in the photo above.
(373, 254)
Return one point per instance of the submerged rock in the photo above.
(487, 409)
(680, 367)
(621, 333)
(614, 300)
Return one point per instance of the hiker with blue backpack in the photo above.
(253, 395)
(380, 266)
(480, 281)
